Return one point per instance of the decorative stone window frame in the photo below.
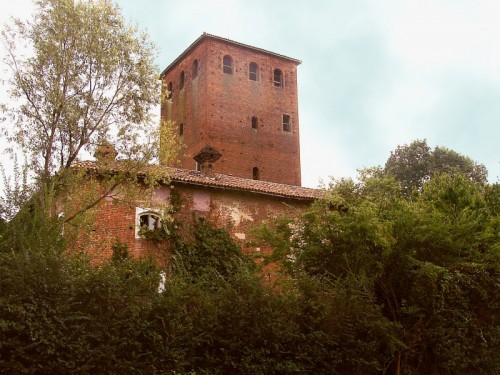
(148, 216)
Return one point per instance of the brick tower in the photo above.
(239, 100)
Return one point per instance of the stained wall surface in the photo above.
(238, 212)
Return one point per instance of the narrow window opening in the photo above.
(255, 122)
(254, 72)
(181, 129)
(286, 123)
(256, 173)
(169, 90)
(278, 78)
(227, 64)
(194, 73)
(181, 80)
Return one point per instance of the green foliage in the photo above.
(414, 164)
(410, 165)
(378, 282)
(207, 250)
(17, 191)
(83, 70)
(79, 77)
(120, 251)
(59, 314)
(424, 268)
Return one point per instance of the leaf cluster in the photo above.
(428, 261)
(78, 75)
(60, 314)
(414, 164)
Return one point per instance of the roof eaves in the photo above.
(246, 190)
(234, 184)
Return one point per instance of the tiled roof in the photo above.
(223, 181)
(206, 35)
(244, 184)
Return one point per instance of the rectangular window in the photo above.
(254, 122)
(278, 78)
(253, 75)
(286, 123)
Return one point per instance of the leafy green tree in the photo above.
(414, 164)
(449, 161)
(410, 165)
(428, 263)
(79, 75)
(61, 314)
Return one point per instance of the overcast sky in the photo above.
(374, 74)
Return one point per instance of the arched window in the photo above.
(181, 80)
(256, 174)
(255, 122)
(146, 220)
(253, 72)
(194, 73)
(150, 221)
(278, 78)
(227, 64)
(169, 90)
(181, 129)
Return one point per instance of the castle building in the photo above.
(239, 100)
(235, 108)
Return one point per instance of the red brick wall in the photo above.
(239, 212)
(116, 222)
(217, 109)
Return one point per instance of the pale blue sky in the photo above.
(374, 74)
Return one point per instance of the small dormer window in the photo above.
(278, 78)
(227, 64)
(181, 129)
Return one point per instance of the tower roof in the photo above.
(205, 36)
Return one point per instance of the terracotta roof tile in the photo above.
(222, 181)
